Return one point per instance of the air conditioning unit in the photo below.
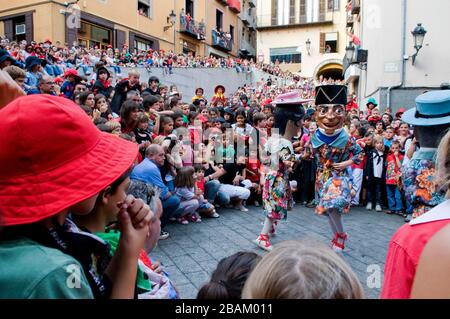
(20, 29)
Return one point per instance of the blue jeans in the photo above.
(86, 69)
(117, 69)
(170, 209)
(394, 198)
(213, 195)
(53, 70)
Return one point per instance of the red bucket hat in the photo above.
(72, 72)
(50, 163)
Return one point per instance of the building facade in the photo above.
(177, 25)
(247, 25)
(385, 31)
(305, 36)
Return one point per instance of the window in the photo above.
(142, 45)
(232, 32)
(144, 8)
(286, 55)
(91, 35)
(219, 20)
(189, 5)
(333, 5)
(329, 42)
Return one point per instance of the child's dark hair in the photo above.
(241, 112)
(362, 131)
(185, 177)
(198, 168)
(98, 97)
(228, 280)
(83, 97)
(192, 116)
(164, 120)
(149, 101)
(177, 114)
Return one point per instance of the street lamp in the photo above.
(349, 52)
(308, 46)
(419, 35)
(172, 19)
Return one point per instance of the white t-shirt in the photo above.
(378, 165)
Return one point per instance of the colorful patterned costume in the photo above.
(277, 190)
(334, 187)
(419, 182)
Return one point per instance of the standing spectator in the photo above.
(393, 179)
(102, 84)
(376, 173)
(122, 88)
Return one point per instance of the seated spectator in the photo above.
(68, 87)
(148, 171)
(297, 269)
(17, 74)
(229, 278)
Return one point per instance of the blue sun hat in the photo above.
(432, 108)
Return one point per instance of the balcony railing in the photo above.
(193, 28)
(269, 21)
(222, 40)
(356, 6)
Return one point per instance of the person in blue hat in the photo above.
(335, 151)
(430, 118)
(6, 59)
(34, 71)
(425, 193)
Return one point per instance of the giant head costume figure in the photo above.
(330, 108)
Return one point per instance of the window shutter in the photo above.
(274, 12)
(292, 12)
(9, 32)
(302, 11)
(322, 42)
(120, 38)
(29, 27)
(330, 5)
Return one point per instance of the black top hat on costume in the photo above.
(331, 94)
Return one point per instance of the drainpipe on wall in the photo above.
(388, 97)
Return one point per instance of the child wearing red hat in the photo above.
(59, 166)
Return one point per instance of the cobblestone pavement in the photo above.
(192, 251)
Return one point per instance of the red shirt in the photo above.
(200, 183)
(253, 167)
(393, 169)
(403, 256)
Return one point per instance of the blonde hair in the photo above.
(159, 140)
(378, 139)
(302, 269)
(15, 72)
(443, 164)
(134, 72)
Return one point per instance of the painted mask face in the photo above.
(330, 117)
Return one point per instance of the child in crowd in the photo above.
(302, 270)
(205, 207)
(229, 278)
(165, 126)
(102, 105)
(393, 179)
(185, 190)
(374, 117)
(389, 136)
(376, 172)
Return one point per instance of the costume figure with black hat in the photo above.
(335, 151)
(219, 96)
(289, 114)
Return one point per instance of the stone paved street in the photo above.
(192, 251)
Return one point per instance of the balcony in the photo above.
(235, 5)
(248, 19)
(247, 49)
(356, 6)
(192, 28)
(222, 41)
(272, 22)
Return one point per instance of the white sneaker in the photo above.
(263, 242)
(242, 208)
(369, 206)
(378, 208)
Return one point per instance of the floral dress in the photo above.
(419, 183)
(334, 188)
(277, 191)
